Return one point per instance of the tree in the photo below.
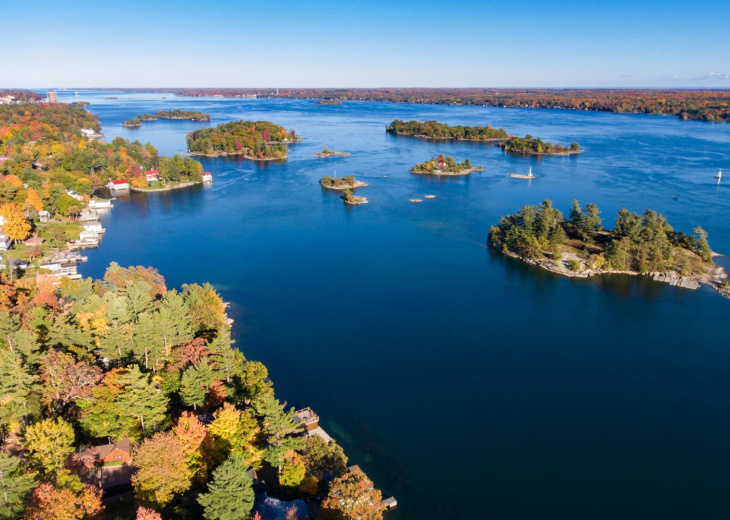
(230, 494)
(234, 431)
(34, 200)
(49, 443)
(141, 399)
(197, 444)
(16, 226)
(591, 224)
(702, 245)
(16, 385)
(147, 514)
(67, 499)
(15, 485)
(103, 415)
(162, 469)
(65, 380)
(280, 431)
(293, 470)
(352, 497)
(195, 385)
(322, 458)
(576, 217)
(628, 224)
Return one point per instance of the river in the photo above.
(466, 384)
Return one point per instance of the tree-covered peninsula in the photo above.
(580, 246)
(536, 146)
(259, 140)
(436, 130)
(124, 381)
(444, 165)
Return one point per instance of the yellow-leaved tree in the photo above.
(34, 199)
(16, 226)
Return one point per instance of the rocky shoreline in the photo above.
(330, 154)
(716, 280)
(442, 173)
(343, 187)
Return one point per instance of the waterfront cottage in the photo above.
(118, 185)
(152, 175)
(207, 177)
(308, 418)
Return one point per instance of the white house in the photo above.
(152, 175)
(100, 203)
(72, 193)
(93, 226)
(207, 177)
(118, 185)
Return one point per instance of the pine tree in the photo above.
(280, 431)
(16, 385)
(230, 494)
(192, 391)
(14, 486)
(575, 218)
(141, 399)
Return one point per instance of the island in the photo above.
(531, 146)
(166, 114)
(637, 245)
(446, 166)
(353, 200)
(341, 183)
(132, 123)
(327, 153)
(436, 130)
(328, 102)
(253, 140)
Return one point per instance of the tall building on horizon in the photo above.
(52, 96)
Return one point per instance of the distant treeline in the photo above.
(436, 130)
(703, 105)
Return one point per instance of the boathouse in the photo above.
(308, 418)
(118, 185)
(207, 177)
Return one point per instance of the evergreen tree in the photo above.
(281, 431)
(16, 385)
(230, 494)
(575, 218)
(591, 223)
(628, 224)
(14, 486)
(141, 399)
(192, 391)
(702, 245)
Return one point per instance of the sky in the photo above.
(376, 43)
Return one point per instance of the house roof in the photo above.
(151, 172)
(35, 241)
(124, 445)
(206, 173)
(119, 182)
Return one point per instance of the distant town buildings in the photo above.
(52, 96)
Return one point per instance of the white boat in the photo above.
(719, 175)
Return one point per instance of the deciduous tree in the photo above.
(48, 444)
(162, 469)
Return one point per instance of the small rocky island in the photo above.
(327, 153)
(353, 200)
(166, 114)
(341, 183)
(328, 102)
(579, 246)
(531, 146)
(444, 166)
(441, 131)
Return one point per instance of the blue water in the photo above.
(466, 384)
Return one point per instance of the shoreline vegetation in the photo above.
(446, 166)
(441, 131)
(175, 114)
(341, 183)
(253, 140)
(167, 187)
(536, 146)
(327, 153)
(579, 246)
(142, 386)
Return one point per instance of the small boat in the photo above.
(429, 196)
(415, 201)
(675, 197)
(719, 175)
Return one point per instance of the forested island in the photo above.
(580, 246)
(701, 105)
(124, 385)
(436, 130)
(444, 166)
(167, 114)
(341, 183)
(259, 140)
(353, 200)
(536, 146)
(328, 153)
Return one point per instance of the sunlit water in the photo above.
(466, 384)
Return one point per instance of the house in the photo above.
(152, 175)
(442, 164)
(118, 451)
(93, 226)
(207, 177)
(90, 133)
(73, 194)
(118, 185)
(33, 242)
(44, 215)
(5, 241)
(308, 418)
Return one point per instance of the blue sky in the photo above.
(298, 43)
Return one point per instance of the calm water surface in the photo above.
(466, 384)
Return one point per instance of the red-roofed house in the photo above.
(119, 451)
(152, 175)
(207, 177)
(118, 185)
